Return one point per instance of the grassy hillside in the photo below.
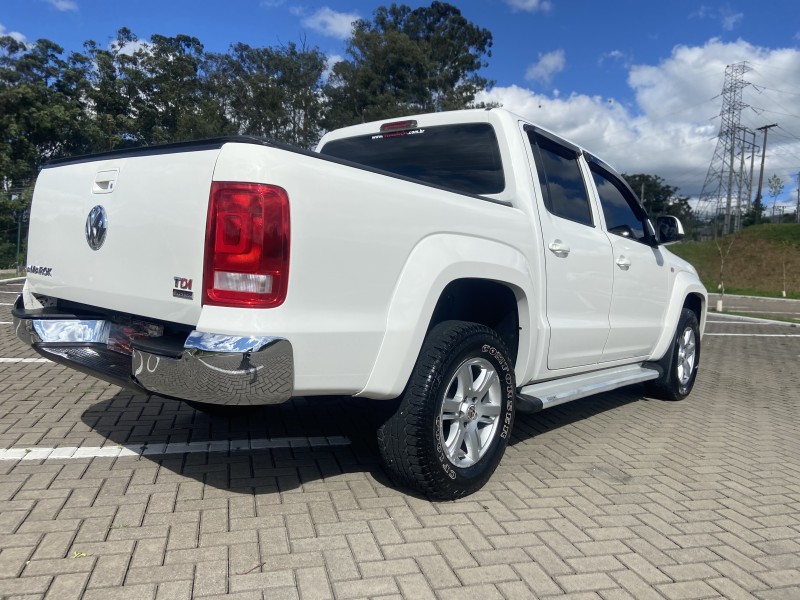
(755, 263)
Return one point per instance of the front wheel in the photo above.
(680, 363)
(453, 422)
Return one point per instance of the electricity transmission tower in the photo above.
(725, 185)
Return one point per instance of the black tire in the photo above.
(448, 450)
(679, 369)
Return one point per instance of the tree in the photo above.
(660, 199)
(775, 185)
(405, 61)
(14, 211)
(111, 92)
(755, 215)
(42, 108)
(171, 99)
(273, 92)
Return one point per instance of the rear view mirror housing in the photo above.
(669, 230)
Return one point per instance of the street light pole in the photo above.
(18, 214)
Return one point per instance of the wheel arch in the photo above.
(687, 292)
(697, 304)
(453, 277)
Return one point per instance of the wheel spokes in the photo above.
(450, 408)
(686, 355)
(482, 384)
(455, 440)
(473, 442)
(470, 411)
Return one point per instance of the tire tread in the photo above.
(401, 439)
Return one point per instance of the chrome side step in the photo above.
(538, 396)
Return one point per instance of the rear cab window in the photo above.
(462, 157)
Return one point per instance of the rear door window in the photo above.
(624, 217)
(561, 180)
(463, 158)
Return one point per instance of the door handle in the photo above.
(623, 263)
(559, 248)
(104, 181)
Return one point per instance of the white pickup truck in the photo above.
(464, 264)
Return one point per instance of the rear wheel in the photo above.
(453, 422)
(680, 363)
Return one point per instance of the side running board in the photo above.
(538, 396)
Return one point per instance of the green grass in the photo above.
(8, 276)
(755, 263)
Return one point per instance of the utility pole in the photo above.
(752, 162)
(765, 128)
(797, 210)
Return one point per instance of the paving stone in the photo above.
(25, 585)
(362, 588)
(613, 498)
(67, 586)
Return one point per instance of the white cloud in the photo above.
(331, 23)
(671, 128)
(546, 67)
(616, 56)
(14, 34)
(330, 61)
(63, 5)
(530, 5)
(729, 22)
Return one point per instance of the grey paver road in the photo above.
(612, 498)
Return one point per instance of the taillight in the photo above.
(247, 245)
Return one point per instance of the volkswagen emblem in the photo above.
(96, 227)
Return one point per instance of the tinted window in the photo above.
(618, 206)
(465, 158)
(561, 180)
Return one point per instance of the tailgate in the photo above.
(150, 260)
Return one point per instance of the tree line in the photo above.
(133, 92)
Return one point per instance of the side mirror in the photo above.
(669, 229)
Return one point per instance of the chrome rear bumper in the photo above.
(204, 367)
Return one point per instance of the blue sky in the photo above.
(637, 81)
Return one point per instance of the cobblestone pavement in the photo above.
(613, 497)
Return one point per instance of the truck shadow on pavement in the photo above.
(314, 432)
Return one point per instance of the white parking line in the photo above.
(160, 448)
(741, 319)
(740, 323)
(5, 292)
(6, 304)
(6, 323)
(797, 335)
(23, 360)
(762, 312)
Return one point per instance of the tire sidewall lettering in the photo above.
(498, 359)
